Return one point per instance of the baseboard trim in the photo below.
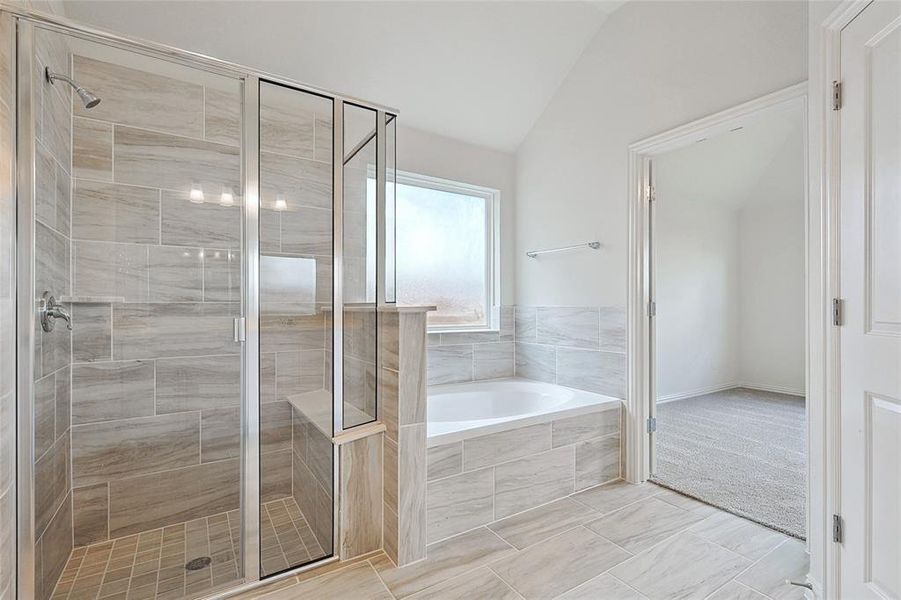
(730, 386)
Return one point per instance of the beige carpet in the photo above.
(740, 450)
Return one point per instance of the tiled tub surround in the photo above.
(482, 478)
(577, 347)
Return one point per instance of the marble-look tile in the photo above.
(220, 434)
(606, 587)
(481, 583)
(286, 122)
(460, 503)
(356, 581)
(361, 496)
(92, 149)
(159, 499)
(469, 337)
(495, 448)
(176, 274)
(412, 365)
(92, 332)
(51, 269)
(322, 131)
(736, 591)
(613, 328)
(391, 530)
(528, 482)
(537, 362)
(108, 212)
(788, 561)
(156, 330)
(140, 98)
(63, 417)
(597, 461)
(525, 324)
(197, 383)
(44, 414)
(643, 524)
(292, 332)
(52, 193)
(314, 500)
(616, 495)
(303, 183)
(118, 449)
(449, 364)
(739, 535)
(685, 502)
(682, 567)
(56, 545)
(559, 563)
(173, 162)
(307, 230)
(411, 474)
(104, 391)
(90, 508)
(541, 523)
(56, 131)
(6, 61)
(275, 475)
(221, 275)
(51, 482)
(55, 348)
(593, 371)
(570, 430)
(207, 224)
(445, 560)
(388, 402)
(491, 361)
(108, 269)
(507, 324)
(445, 460)
(222, 115)
(568, 326)
(298, 372)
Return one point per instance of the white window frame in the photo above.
(492, 199)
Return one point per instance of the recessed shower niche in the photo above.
(213, 241)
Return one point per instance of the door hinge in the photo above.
(836, 95)
(838, 312)
(652, 309)
(240, 331)
(652, 424)
(652, 193)
(838, 529)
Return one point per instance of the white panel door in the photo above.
(871, 287)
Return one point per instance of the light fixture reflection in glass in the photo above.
(196, 193)
(227, 198)
(280, 202)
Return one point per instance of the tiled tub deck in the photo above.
(480, 479)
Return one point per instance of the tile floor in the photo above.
(616, 541)
(152, 564)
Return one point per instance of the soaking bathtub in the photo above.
(462, 410)
(497, 448)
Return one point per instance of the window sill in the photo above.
(481, 330)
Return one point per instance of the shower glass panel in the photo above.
(137, 400)
(390, 207)
(359, 245)
(296, 241)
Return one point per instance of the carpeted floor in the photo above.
(740, 450)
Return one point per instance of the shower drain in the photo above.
(198, 563)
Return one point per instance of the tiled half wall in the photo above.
(578, 347)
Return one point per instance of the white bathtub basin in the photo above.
(462, 410)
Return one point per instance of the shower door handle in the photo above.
(51, 310)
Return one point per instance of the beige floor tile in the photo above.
(481, 583)
(643, 524)
(559, 564)
(736, 591)
(357, 581)
(682, 567)
(446, 559)
(542, 523)
(739, 535)
(686, 502)
(612, 496)
(768, 575)
(606, 587)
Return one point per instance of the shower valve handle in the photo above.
(51, 310)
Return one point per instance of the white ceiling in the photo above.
(481, 72)
(730, 169)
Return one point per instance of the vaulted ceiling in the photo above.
(481, 72)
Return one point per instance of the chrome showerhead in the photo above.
(87, 97)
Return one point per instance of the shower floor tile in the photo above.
(153, 564)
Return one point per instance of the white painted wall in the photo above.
(431, 154)
(651, 66)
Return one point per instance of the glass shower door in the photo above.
(137, 398)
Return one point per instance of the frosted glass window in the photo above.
(445, 252)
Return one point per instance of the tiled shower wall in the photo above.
(578, 347)
(52, 363)
(7, 315)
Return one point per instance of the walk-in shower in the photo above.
(216, 238)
